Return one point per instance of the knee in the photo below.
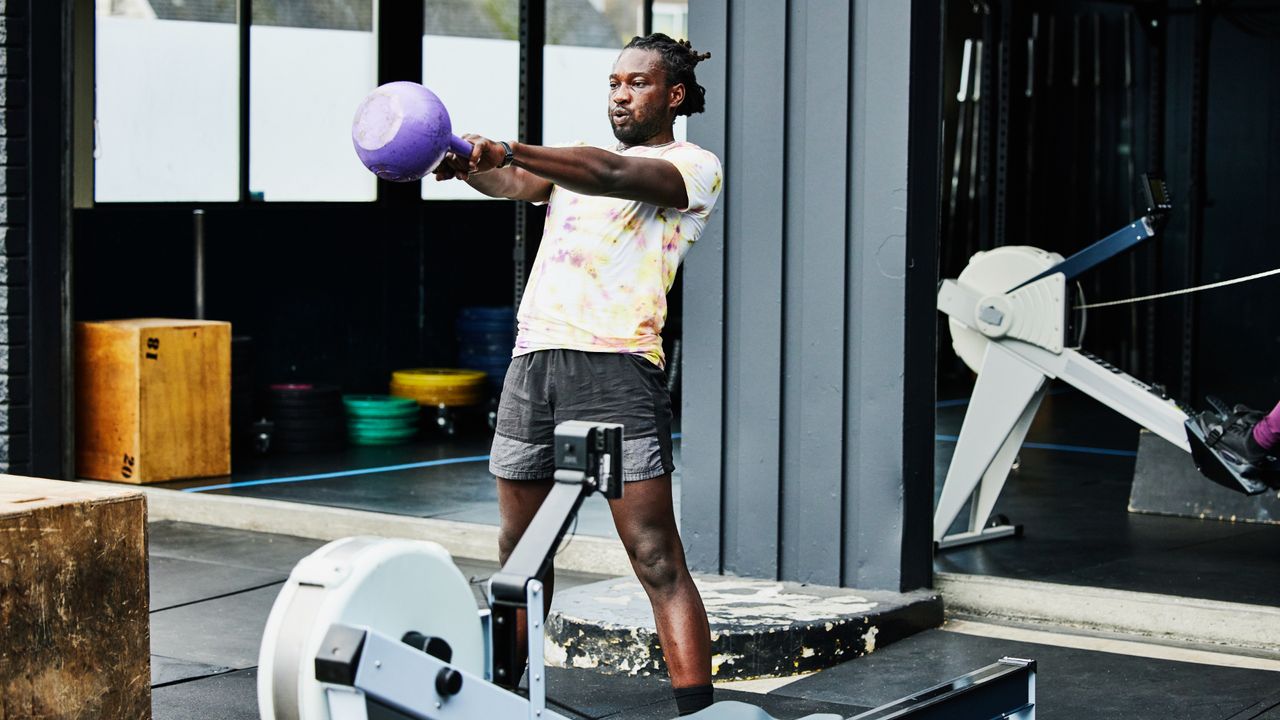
(659, 565)
(507, 541)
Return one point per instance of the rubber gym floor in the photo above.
(211, 588)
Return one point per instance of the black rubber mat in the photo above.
(1073, 504)
(1268, 709)
(464, 492)
(420, 492)
(167, 670)
(223, 631)
(588, 694)
(175, 581)
(239, 548)
(233, 696)
(1211, 569)
(1070, 684)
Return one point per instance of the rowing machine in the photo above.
(1013, 320)
(369, 628)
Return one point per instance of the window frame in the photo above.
(396, 59)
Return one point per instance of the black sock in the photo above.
(692, 699)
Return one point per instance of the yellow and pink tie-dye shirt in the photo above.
(600, 280)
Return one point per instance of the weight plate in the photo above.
(384, 423)
(486, 312)
(384, 434)
(436, 377)
(379, 406)
(307, 424)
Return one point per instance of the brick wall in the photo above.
(15, 301)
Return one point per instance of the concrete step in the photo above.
(1165, 618)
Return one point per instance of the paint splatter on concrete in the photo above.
(758, 628)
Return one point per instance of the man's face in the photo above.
(640, 101)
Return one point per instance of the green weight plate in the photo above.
(383, 423)
(379, 406)
(382, 434)
(404, 414)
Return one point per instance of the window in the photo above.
(167, 116)
(583, 40)
(483, 98)
(311, 63)
(167, 109)
(671, 18)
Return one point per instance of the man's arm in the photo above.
(511, 183)
(585, 170)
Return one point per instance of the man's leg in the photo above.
(518, 502)
(647, 525)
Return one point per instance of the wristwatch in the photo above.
(509, 157)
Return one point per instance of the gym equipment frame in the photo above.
(1014, 321)
(354, 634)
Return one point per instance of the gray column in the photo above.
(796, 327)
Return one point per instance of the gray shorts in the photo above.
(548, 387)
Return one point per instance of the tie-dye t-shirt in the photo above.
(600, 280)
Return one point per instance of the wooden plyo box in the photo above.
(73, 601)
(153, 399)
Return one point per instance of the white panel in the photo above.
(167, 111)
(576, 101)
(304, 87)
(483, 97)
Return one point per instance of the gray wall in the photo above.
(795, 300)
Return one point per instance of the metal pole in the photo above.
(244, 19)
(197, 219)
(533, 35)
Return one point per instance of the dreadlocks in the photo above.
(679, 59)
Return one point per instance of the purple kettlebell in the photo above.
(402, 131)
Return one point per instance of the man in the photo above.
(589, 346)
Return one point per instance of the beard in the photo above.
(636, 132)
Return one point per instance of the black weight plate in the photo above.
(308, 424)
(329, 404)
(302, 419)
(309, 440)
(302, 449)
(310, 404)
(302, 391)
(486, 339)
(312, 401)
(486, 312)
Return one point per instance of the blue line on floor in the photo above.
(343, 473)
(1055, 446)
(349, 473)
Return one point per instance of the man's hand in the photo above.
(486, 155)
(511, 183)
